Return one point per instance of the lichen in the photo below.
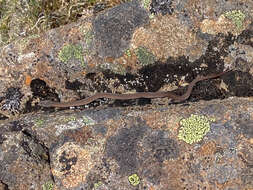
(194, 128)
(23, 42)
(88, 37)
(237, 17)
(161, 6)
(144, 56)
(98, 184)
(114, 67)
(12, 101)
(146, 4)
(117, 24)
(68, 123)
(88, 121)
(128, 52)
(71, 118)
(134, 179)
(48, 186)
(71, 51)
(39, 122)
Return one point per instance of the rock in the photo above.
(102, 149)
(202, 143)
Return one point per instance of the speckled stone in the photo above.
(64, 150)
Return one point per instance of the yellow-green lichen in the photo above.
(128, 53)
(144, 56)
(194, 128)
(146, 4)
(237, 17)
(71, 118)
(88, 121)
(98, 184)
(39, 122)
(134, 180)
(48, 186)
(152, 15)
(71, 51)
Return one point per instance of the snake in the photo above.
(137, 95)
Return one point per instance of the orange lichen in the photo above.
(28, 79)
(207, 149)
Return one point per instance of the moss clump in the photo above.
(194, 128)
(71, 51)
(144, 56)
(48, 186)
(237, 16)
(134, 180)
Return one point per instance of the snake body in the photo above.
(158, 94)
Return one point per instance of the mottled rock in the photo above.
(132, 144)
(24, 160)
(128, 150)
(118, 49)
(114, 29)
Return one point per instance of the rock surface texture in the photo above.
(103, 149)
(203, 143)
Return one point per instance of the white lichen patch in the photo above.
(30, 55)
(73, 123)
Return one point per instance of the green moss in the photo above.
(144, 56)
(237, 16)
(71, 51)
(134, 180)
(194, 128)
(48, 186)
